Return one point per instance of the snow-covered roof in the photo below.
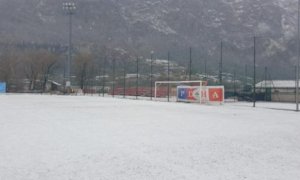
(276, 84)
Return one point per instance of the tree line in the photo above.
(29, 70)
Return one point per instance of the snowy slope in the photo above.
(142, 26)
(143, 21)
(57, 137)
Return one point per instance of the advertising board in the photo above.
(203, 94)
(2, 87)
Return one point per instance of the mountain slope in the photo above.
(160, 25)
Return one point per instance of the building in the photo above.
(277, 90)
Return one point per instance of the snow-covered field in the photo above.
(59, 137)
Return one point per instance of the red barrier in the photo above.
(142, 91)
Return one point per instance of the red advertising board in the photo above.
(191, 94)
(216, 94)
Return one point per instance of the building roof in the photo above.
(277, 84)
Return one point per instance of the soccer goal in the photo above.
(189, 91)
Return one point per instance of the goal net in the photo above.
(188, 91)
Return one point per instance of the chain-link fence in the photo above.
(254, 70)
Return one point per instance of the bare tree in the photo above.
(47, 67)
(8, 67)
(37, 67)
(82, 63)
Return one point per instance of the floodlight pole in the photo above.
(70, 8)
(298, 62)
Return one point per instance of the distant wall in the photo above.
(283, 97)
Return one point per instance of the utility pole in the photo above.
(221, 65)
(69, 8)
(254, 71)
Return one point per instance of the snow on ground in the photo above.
(60, 137)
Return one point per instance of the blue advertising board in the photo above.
(182, 93)
(2, 87)
(188, 94)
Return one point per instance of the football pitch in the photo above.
(84, 137)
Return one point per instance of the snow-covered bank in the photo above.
(60, 137)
